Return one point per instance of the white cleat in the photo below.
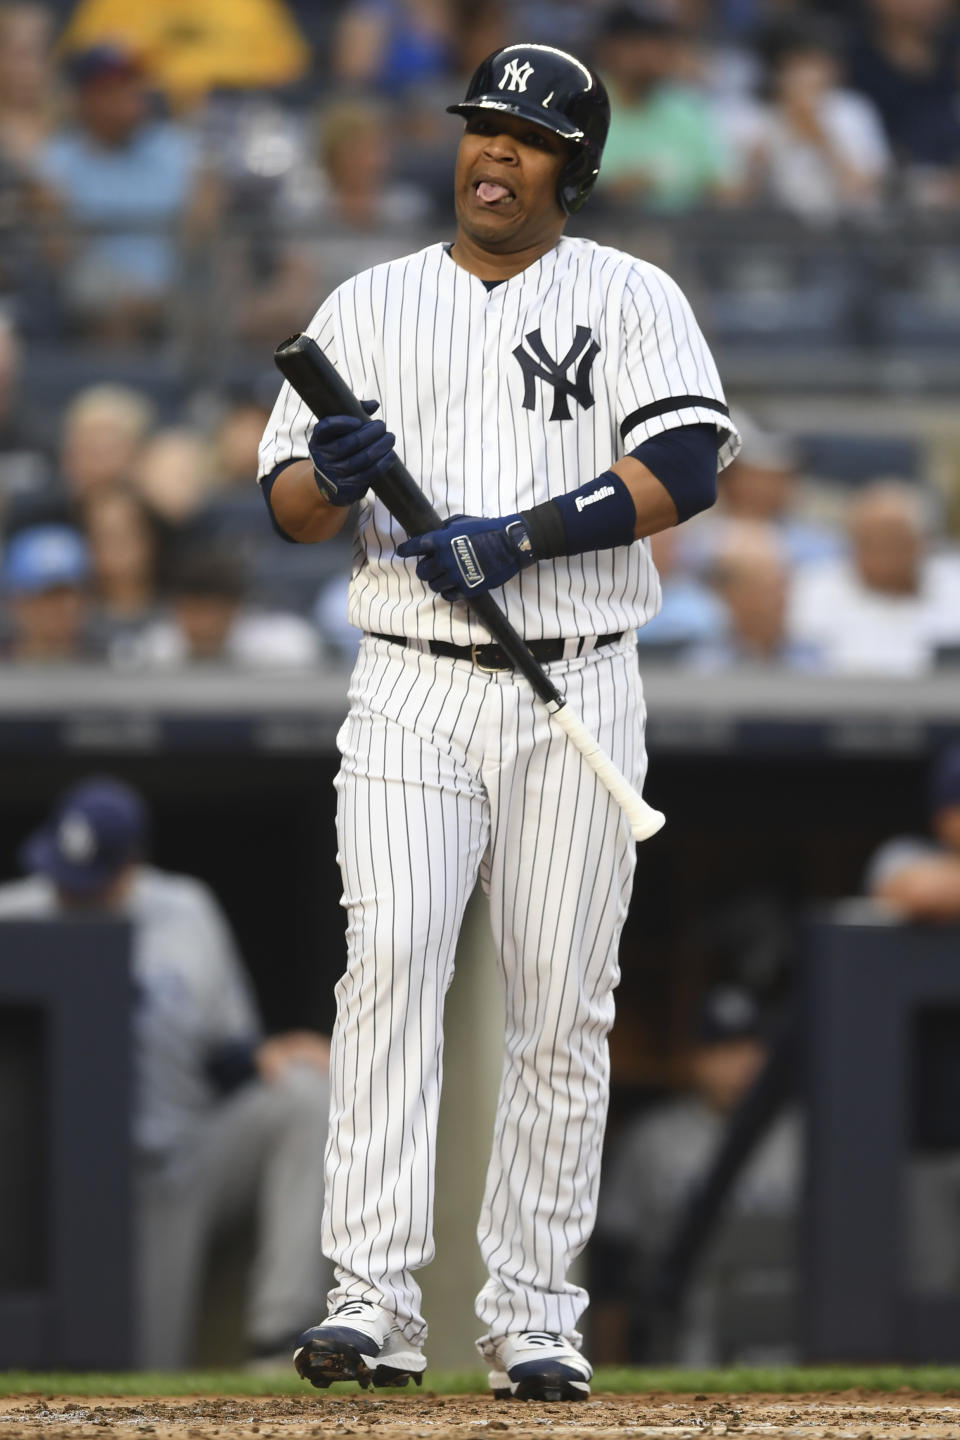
(535, 1365)
(358, 1341)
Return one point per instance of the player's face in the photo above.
(506, 182)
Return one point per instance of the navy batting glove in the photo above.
(349, 454)
(471, 554)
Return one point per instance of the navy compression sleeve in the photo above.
(266, 487)
(685, 462)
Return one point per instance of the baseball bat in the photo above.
(308, 371)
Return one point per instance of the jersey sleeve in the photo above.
(288, 429)
(667, 376)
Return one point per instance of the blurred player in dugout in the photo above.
(225, 1122)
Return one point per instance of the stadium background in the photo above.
(815, 230)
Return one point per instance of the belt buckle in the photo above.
(486, 669)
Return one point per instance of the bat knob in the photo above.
(647, 824)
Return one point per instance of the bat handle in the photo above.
(644, 820)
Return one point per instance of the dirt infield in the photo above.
(859, 1415)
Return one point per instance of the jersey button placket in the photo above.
(491, 440)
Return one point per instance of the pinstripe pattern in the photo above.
(447, 774)
(435, 348)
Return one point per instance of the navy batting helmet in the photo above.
(555, 90)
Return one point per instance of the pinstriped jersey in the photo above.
(501, 398)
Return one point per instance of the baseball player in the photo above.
(225, 1123)
(557, 398)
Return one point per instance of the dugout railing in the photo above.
(66, 1253)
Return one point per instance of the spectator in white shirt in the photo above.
(919, 876)
(211, 622)
(816, 149)
(890, 605)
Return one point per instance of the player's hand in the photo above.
(471, 554)
(279, 1053)
(349, 454)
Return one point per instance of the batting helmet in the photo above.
(556, 91)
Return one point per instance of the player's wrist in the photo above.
(599, 516)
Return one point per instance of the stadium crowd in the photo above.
(175, 198)
(181, 185)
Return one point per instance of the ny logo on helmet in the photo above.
(541, 366)
(517, 74)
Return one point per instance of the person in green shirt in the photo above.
(664, 150)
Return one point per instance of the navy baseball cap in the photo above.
(106, 59)
(43, 557)
(96, 829)
(945, 779)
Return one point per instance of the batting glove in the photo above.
(471, 554)
(349, 455)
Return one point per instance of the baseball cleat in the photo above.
(535, 1365)
(358, 1341)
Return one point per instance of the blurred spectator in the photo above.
(124, 551)
(226, 1124)
(104, 428)
(905, 58)
(27, 80)
(920, 878)
(174, 473)
(29, 246)
(132, 181)
(492, 24)
(664, 149)
(570, 24)
(192, 49)
(357, 190)
(690, 614)
(657, 1163)
(819, 150)
(352, 199)
(891, 605)
(211, 622)
(46, 572)
(752, 578)
(763, 484)
(330, 617)
(391, 45)
(24, 454)
(236, 441)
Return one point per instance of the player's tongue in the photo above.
(489, 191)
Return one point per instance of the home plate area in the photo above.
(845, 1415)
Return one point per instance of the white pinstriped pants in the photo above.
(448, 772)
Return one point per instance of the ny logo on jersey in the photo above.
(541, 366)
(517, 74)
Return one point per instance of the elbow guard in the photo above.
(266, 487)
(685, 463)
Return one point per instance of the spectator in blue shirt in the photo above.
(45, 586)
(130, 180)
